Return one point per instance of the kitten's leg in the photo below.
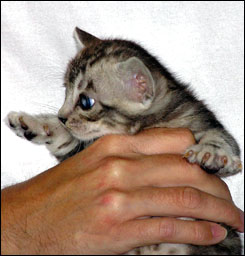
(44, 129)
(216, 152)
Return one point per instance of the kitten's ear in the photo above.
(138, 81)
(84, 39)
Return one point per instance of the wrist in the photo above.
(16, 235)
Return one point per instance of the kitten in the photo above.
(117, 87)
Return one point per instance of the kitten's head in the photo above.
(109, 85)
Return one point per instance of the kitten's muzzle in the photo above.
(62, 119)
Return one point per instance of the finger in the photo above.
(170, 230)
(184, 202)
(172, 171)
(152, 141)
(158, 171)
(162, 140)
(148, 142)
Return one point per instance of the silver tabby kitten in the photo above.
(117, 87)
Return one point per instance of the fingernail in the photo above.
(219, 232)
(241, 229)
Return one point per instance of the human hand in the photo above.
(96, 201)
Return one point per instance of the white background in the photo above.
(202, 42)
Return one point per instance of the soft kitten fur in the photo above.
(115, 86)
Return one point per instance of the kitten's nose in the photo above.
(62, 119)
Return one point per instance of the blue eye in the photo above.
(85, 102)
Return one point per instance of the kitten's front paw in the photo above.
(29, 127)
(213, 159)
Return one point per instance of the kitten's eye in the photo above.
(85, 102)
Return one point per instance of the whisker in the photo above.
(79, 147)
(46, 106)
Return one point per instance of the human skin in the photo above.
(97, 201)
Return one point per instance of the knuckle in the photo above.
(111, 162)
(190, 198)
(114, 199)
(112, 172)
(167, 229)
(113, 169)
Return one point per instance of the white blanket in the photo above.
(202, 42)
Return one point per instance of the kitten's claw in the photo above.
(22, 123)
(213, 159)
(206, 157)
(47, 130)
(188, 154)
(239, 166)
(224, 160)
